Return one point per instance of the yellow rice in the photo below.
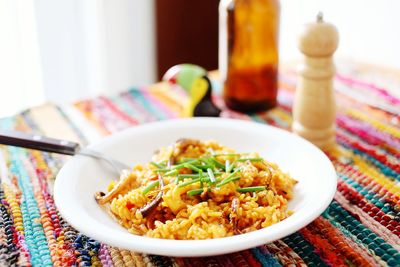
(209, 215)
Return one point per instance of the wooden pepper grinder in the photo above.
(314, 104)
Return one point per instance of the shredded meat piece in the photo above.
(234, 215)
(103, 198)
(150, 221)
(181, 145)
(152, 205)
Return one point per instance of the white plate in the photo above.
(81, 177)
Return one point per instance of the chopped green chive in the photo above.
(186, 160)
(188, 175)
(217, 163)
(228, 178)
(190, 182)
(192, 167)
(251, 189)
(162, 170)
(211, 174)
(149, 187)
(171, 172)
(231, 166)
(183, 176)
(226, 155)
(250, 159)
(203, 167)
(182, 165)
(194, 179)
(227, 165)
(201, 178)
(226, 181)
(231, 175)
(212, 168)
(157, 165)
(207, 161)
(195, 192)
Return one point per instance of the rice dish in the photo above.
(199, 190)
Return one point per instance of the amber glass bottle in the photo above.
(248, 53)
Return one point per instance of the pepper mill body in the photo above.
(314, 108)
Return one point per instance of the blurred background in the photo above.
(63, 50)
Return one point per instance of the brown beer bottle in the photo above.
(248, 53)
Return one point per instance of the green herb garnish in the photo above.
(204, 167)
(162, 170)
(230, 167)
(195, 192)
(211, 175)
(182, 165)
(187, 160)
(250, 159)
(149, 187)
(201, 178)
(217, 163)
(251, 189)
(204, 171)
(157, 165)
(190, 182)
(227, 165)
(171, 172)
(231, 177)
(226, 155)
(194, 175)
(192, 167)
(183, 176)
(226, 181)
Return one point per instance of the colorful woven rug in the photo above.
(361, 227)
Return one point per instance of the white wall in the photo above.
(20, 72)
(369, 29)
(95, 47)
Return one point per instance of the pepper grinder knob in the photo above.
(314, 105)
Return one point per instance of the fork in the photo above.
(42, 143)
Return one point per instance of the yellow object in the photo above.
(196, 93)
(193, 79)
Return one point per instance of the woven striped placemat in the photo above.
(361, 227)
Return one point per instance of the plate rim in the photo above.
(184, 248)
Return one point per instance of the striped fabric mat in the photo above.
(361, 227)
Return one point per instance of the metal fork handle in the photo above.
(42, 143)
(33, 141)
